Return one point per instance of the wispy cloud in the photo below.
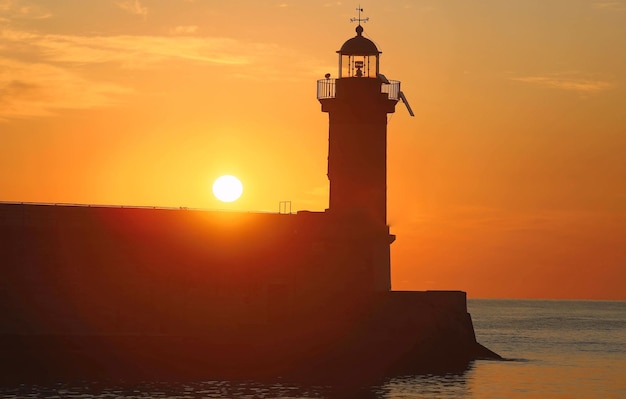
(48, 72)
(40, 74)
(125, 50)
(134, 7)
(567, 81)
(184, 30)
(20, 9)
(35, 89)
(610, 5)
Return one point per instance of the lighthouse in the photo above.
(357, 103)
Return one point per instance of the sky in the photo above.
(509, 182)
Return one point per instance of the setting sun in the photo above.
(227, 188)
(510, 178)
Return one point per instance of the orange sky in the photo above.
(509, 182)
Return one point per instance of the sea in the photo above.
(552, 349)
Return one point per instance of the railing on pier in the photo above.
(327, 88)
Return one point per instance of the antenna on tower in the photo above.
(359, 19)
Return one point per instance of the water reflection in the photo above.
(416, 386)
(426, 386)
(206, 389)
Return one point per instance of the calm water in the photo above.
(555, 349)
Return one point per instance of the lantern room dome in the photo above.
(359, 45)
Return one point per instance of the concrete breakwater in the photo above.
(140, 293)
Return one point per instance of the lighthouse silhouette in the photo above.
(357, 103)
(98, 292)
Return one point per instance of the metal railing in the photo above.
(392, 89)
(327, 88)
(284, 207)
(171, 208)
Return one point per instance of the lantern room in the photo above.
(358, 57)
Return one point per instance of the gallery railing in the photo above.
(327, 88)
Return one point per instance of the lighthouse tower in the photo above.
(357, 103)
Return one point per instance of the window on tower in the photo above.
(358, 66)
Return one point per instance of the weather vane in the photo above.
(359, 20)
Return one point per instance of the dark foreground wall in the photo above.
(130, 270)
(134, 293)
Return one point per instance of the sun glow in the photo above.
(227, 188)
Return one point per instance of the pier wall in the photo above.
(214, 290)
